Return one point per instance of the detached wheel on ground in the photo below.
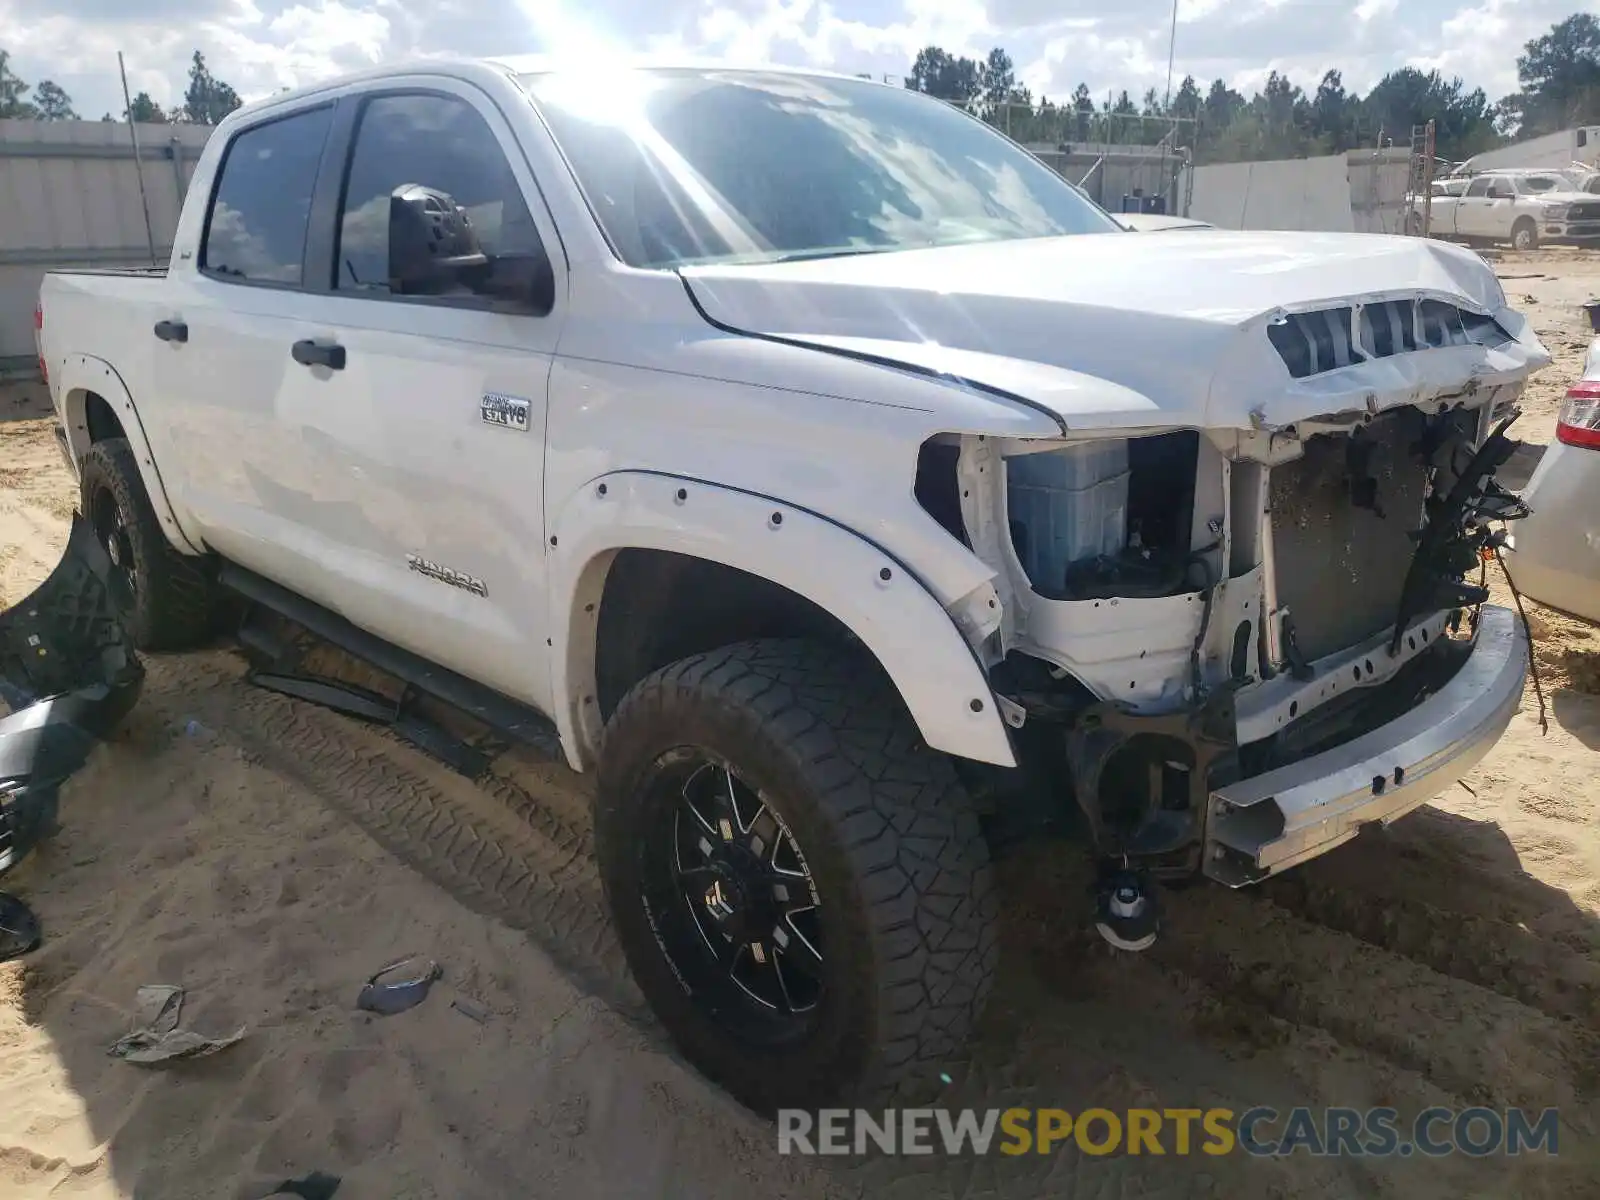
(800, 884)
(1525, 235)
(171, 593)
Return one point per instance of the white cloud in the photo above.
(261, 46)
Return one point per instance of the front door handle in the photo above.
(172, 331)
(312, 353)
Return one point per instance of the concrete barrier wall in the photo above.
(1363, 191)
(69, 197)
(1111, 173)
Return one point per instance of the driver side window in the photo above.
(441, 144)
(1478, 187)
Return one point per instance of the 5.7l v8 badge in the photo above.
(508, 412)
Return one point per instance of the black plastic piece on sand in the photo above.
(69, 673)
(318, 1185)
(20, 931)
(399, 986)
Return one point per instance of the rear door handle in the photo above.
(172, 331)
(312, 353)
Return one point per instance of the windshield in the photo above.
(684, 167)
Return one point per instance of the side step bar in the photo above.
(515, 720)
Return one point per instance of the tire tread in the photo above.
(174, 608)
(904, 822)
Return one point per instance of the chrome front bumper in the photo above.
(1260, 826)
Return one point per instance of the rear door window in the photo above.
(256, 229)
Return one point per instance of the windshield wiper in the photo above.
(844, 252)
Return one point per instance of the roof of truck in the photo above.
(532, 64)
(545, 64)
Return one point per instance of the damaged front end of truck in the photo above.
(1230, 649)
(68, 674)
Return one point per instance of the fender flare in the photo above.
(75, 378)
(899, 621)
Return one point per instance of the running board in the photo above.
(515, 720)
(459, 755)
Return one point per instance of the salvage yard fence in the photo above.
(70, 197)
(1362, 191)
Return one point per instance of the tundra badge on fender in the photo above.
(510, 412)
(432, 570)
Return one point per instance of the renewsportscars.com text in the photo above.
(1260, 1131)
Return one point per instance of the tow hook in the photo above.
(1126, 913)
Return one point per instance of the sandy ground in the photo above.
(267, 856)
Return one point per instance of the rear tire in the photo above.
(870, 837)
(172, 593)
(1525, 235)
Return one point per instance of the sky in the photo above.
(262, 46)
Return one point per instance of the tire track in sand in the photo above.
(1474, 1042)
(498, 848)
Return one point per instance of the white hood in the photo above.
(1129, 330)
(1562, 196)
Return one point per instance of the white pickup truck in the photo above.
(1523, 208)
(831, 477)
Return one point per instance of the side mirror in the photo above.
(526, 282)
(431, 241)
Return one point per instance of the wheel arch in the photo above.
(96, 405)
(652, 548)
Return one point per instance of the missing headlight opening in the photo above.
(1106, 518)
(1183, 611)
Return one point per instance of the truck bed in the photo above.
(105, 313)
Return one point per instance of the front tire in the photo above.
(171, 593)
(800, 885)
(1525, 235)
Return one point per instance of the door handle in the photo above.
(311, 353)
(172, 331)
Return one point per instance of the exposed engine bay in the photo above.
(1183, 609)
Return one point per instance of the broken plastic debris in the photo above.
(19, 928)
(471, 1009)
(318, 1185)
(156, 1037)
(399, 986)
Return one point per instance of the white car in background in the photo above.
(1556, 551)
(1521, 207)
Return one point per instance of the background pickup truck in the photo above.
(1523, 208)
(834, 480)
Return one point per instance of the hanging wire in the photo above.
(1533, 659)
